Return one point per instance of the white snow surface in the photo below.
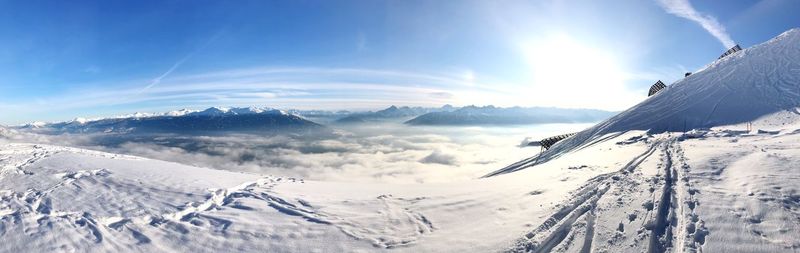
(720, 190)
(630, 184)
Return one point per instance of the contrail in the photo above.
(157, 80)
(177, 64)
(684, 9)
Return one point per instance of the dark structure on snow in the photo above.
(687, 74)
(656, 87)
(548, 142)
(734, 49)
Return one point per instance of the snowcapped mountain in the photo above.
(490, 115)
(37, 124)
(221, 111)
(321, 116)
(393, 112)
(185, 121)
(180, 112)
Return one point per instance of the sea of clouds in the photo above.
(384, 152)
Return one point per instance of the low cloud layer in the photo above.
(440, 157)
(378, 153)
(684, 9)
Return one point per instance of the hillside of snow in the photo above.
(716, 191)
(759, 86)
(66, 199)
(634, 183)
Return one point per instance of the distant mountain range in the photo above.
(393, 112)
(267, 120)
(253, 120)
(321, 116)
(490, 115)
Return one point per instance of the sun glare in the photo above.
(566, 72)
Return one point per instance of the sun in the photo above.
(566, 72)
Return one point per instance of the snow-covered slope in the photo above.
(730, 184)
(742, 87)
(745, 87)
(65, 199)
(716, 191)
(705, 191)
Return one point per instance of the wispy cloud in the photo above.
(684, 9)
(361, 42)
(280, 87)
(180, 62)
(158, 79)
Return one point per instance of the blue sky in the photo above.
(65, 59)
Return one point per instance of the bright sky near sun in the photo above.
(65, 59)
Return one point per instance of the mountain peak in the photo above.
(79, 121)
(211, 111)
(180, 112)
(245, 110)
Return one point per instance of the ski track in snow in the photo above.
(758, 86)
(668, 215)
